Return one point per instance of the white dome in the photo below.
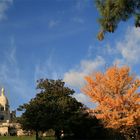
(3, 99)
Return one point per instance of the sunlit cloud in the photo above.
(75, 77)
(129, 47)
(81, 97)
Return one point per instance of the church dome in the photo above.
(3, 99)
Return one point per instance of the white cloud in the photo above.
(53, 23)
(110, 50)
(118, 62)
(84, 99)
(104, 50)
(129, 48)
(81, 97)
(89, 66)
(75, 77)
(137, 76)
(4, 5)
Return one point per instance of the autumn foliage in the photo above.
(117, 97)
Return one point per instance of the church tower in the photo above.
(4, 107)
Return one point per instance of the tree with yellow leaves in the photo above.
(117, 98)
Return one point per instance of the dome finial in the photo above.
(2, 91)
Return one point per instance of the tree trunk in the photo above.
(36, 134)
(57, 134)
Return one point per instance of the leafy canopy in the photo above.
(114, 11)
(116, 93)
(52, 107)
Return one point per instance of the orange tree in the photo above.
(117, 98)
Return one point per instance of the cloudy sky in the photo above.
(57, 39)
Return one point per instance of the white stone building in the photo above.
(6, 117)
(4, 108)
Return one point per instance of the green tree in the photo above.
(79, 124)
(52, 108)
(114, 11)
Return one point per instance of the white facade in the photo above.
(4, 107)
(6, 125)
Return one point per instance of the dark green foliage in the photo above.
(84, 126)
(114, 11)
(51, 108)
(132, 133)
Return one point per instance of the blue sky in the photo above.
(57, 39)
